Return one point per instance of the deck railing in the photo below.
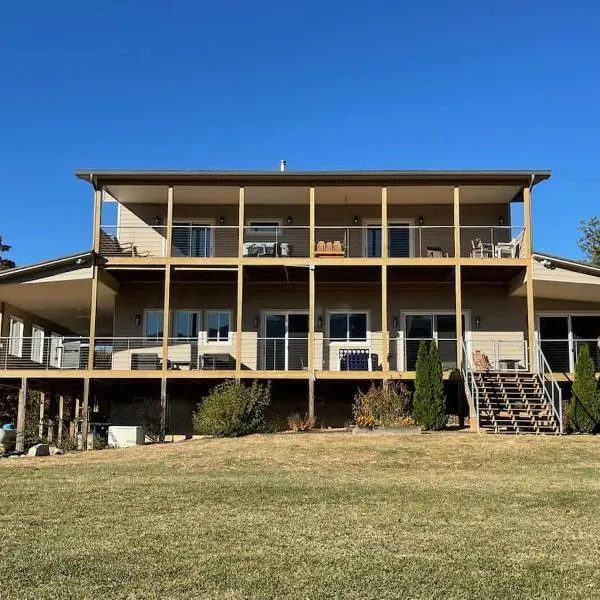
(276, 241)
(468, 375)
(552, 390)
(498, 241)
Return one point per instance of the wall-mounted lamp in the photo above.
(138, 320)
(221, 220)
(319, 322)
(500, 220)
(256, 322)
(477, 322)
(395, 322)
(421, 220)
(289, 220)
(355, 220)
(157, 220)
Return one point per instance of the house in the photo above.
(316, 281)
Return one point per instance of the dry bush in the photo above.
(298, 422)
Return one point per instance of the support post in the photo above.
(170, 201)
(241, 209)
(93, 312)
(527, 238)
(311, 340)
(311, 222)
(458, 308)
(527, 234)
(21, 408)
(240, 286)
(163, 408)
(384, 222)
(42, 409)
(311, 397)
(166, 318)
(385, 346)
(84, 413)
(61, 409)
(97, 220)
(457, 251)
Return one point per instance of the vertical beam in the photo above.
(385, 346)
(384, 222)
(21, 408)
(163, 408)
(84, 412)
(97, 220)
(61, 410)
(311, 222)
(240, 283)
(166, 317)
(170, 201)
(458, 308)
(527, 238)
(527, 234)
(42, 409)
(457, 222)
(311, 340)
(93, 313)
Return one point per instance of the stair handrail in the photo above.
(469, 380)
(546, 375)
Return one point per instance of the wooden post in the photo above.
(241, 209)
(76, 416)
(527, 238)
(21, 408)
(93, 312)
(384, 222)
(458, 308)
(170, 202)
(61, 409)
(457, 236)
(311, 222)
(42, 409)
(97, 220)
(163, 408)
(240, 287)
(311, 397)
(84, 412)
(311, 340)
(166, 318)
(385, 346)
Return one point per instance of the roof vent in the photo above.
(282, 165)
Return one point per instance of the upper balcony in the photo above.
(274, 222)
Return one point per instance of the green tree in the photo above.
(589, 239)
(422, 385)
(5, 263)
(429, 403)
(437, 407)
(584, 410)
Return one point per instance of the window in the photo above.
(153, 323)
(218, 323)
(347, 327)
(55, 358)
(15, 343)
(191, 238)
(399, 239)
(187, 323)
(262, 227)
(37, 344)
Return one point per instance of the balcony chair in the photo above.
(481, 361)
(356, 359)
(329, 248)
(512, 248)
(480, 249)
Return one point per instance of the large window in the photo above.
(187, 323)
(15, 343)
(192, 238)
(37, 344)
(399, 239)
(153, 323)
(218, 323)
(440, 327)
(348, 327)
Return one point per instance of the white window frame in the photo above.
(146, 311)
(348, 342)
(222, 342)
(261, 234)
(37, 357)
(410, 223)
(15, 343)
(173, 322)
(56, 341)
(208, 223)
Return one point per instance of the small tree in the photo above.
(584, 410)
(589, 240)
(422, 385)
(5, 263)
(429, 406)
(437, 407)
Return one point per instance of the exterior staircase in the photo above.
(514, 403)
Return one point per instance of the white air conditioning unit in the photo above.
(121, 436)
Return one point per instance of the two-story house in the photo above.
(317, 281)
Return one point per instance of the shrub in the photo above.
(584, 409)
(297, 422)
(382, 405)
(429, 406)
(232, 409)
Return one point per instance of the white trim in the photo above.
(56, 342)
(410, 223)
(229, 339)
(258, 234)
(39, 358)
(15, 342)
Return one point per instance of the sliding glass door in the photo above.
(440, 327)
(286, 341)
(192, 238)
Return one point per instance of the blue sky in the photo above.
(326, 85)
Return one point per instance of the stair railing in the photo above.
(469, 380)
(546, 378)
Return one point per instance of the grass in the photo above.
(307, 516)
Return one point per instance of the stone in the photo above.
(39, 450)
(54, 451)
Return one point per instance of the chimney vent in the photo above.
(282, 165)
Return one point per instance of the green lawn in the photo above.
(307, 516)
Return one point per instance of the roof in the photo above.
(356, 177)
(80, 260)
(568, 263)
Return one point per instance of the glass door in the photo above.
(555, 344)
(585, 331)
(286, 341)
(427, 327)
(191, 238)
